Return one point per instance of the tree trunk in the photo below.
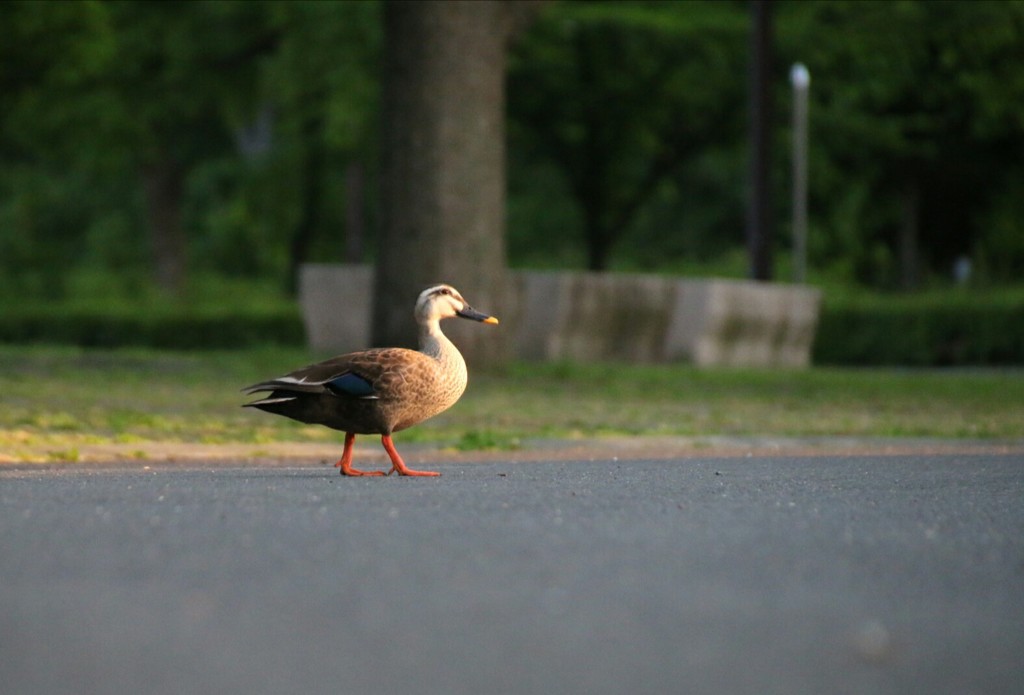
(163, 184)
(443, 167)
(908, 236)
(759, 216)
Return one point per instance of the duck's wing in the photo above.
(369, 374)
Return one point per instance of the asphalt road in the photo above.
(889, 574)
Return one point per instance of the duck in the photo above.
(381, 390)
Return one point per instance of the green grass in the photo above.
(55, 400)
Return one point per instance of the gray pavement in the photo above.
(855, 574)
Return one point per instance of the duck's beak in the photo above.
(469, 312)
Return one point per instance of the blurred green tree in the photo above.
(324, 88)
(634, 111)
(620, 97)
(148, 91)
(184, 73)
(137, 138)
(916, 123)
(45, 112)
(216, 126)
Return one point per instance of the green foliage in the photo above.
(914, 126)
(999, 249)
(619, 98)
(178, 330)
(640, 109)
(932, 329)
(231, 97)
(627, 136)
(214, 314)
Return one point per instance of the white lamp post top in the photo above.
(799, 76)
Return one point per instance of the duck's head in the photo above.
(444, 302)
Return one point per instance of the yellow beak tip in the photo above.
(491, 319)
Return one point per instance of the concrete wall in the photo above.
(602, 316)
(734, 322)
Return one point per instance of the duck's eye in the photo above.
(445, 291)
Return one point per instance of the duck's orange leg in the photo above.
(345, 463)
(397, 463)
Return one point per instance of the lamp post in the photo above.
(801, 81)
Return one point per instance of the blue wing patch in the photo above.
(350, 384)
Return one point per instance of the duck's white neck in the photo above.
(433, 342)
(451, 365)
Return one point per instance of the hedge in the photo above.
(174, 330)
(921, 331)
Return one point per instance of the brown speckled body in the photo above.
(411, 386)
